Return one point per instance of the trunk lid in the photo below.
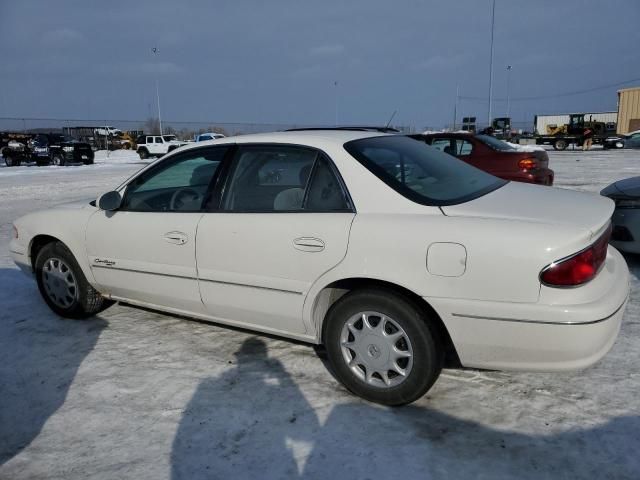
(627, 188)
(538, 204)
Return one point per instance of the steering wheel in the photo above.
(185, 197)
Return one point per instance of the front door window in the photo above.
(179, 184)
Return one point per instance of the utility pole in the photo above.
(508, 84)
(493, 15)
(156, 52)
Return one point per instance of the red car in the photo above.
(493, 156)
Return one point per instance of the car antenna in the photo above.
(392, 115)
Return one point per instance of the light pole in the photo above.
(156, 52)
(455, 108)
(335, 84)
(493, 15)
(508, 84)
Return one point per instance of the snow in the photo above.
(526, 148)
(138, 394)
(118, 156)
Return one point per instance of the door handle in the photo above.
(308, 244)
(178, 238)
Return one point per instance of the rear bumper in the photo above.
(545, 336)
(541, 176)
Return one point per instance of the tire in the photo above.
(144, 154)
(12, 161)
(57, 160)
(63, 286)
(560, 144)
(88, 161)
(420, 350)
(43, 162)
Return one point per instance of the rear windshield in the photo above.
(495, 143)
(420, 172)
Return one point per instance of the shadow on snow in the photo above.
(39, 357)
(244, 424)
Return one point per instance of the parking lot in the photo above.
(137, 394)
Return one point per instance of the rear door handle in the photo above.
(308, 244)
(179, 238)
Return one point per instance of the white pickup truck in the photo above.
(157, 145)
(107, 131)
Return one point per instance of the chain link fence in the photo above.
(184, 130)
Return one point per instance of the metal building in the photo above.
(628, 110)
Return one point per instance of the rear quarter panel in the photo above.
(504, 257)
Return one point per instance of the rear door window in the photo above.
(441, 144)
(282, 178)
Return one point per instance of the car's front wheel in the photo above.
(63, 285)
(382, 347)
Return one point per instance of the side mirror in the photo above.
(110, 201)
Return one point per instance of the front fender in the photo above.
(67, 225)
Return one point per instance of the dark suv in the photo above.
(61, 149)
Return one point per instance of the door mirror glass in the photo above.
(110, 201)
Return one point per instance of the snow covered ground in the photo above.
(137, 394)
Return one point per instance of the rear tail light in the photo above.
(528, 163)
(578, 268)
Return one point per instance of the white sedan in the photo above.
(398, 258)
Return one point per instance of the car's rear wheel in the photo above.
(144, 154)
(382, 347)
(63, 285)
(57, 160)
(12, 161)
(560, 144)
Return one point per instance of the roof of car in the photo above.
(309, 137)
(447, 134)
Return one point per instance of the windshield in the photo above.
(420, 172)
(169, 138)
(495, 143)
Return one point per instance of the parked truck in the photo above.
(560, 131)
(43, 149)
(563, 130)
(116, 140)
(16, 147)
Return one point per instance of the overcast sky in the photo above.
(278, 61)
